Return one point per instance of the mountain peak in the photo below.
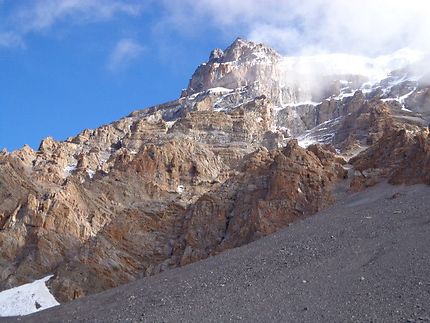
(234, 67)
(245, 50)
(242, 50)
(240, 42)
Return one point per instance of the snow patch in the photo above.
(170, 123)
(298, 104)
(180, 189)
(404, 97)
(323, 133)
(220, 109)
(342, 95)
(104, 156)
(219, 90)
(153, 118)
(401, 99)
(90, 173)
(306, 141)
(27, 299)
(70, 168)
(193, 96)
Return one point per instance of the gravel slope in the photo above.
(366, 259)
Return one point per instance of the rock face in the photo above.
(163, 206)
(162, 233)
(401, 156)
(148, 193)
(240, 64)
(213, 170)
(273, 189)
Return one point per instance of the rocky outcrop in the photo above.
(400, 156)
(268, 191)
(242, 63)
(272, 190)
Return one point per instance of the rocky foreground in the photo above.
(365, 259)
(241, 154)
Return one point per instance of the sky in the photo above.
(67, 65)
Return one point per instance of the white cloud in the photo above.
(8, 39)
(39, 15)
(45, 13)
(367, 27)
(293, 27)
(125, 51)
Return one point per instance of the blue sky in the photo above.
(67, 65)
(77, 75)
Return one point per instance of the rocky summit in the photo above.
(255, 142)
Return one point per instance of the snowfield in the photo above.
(27, 299)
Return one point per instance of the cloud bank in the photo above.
(366, 27)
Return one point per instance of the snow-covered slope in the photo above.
(292, 80)
(27, 299)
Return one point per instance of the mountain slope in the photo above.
(364, 259)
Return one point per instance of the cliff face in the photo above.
(163, 206)
(401, 156)
(161, 233)
(215, 169)
(148, 193)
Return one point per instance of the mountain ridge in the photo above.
(215, 169)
